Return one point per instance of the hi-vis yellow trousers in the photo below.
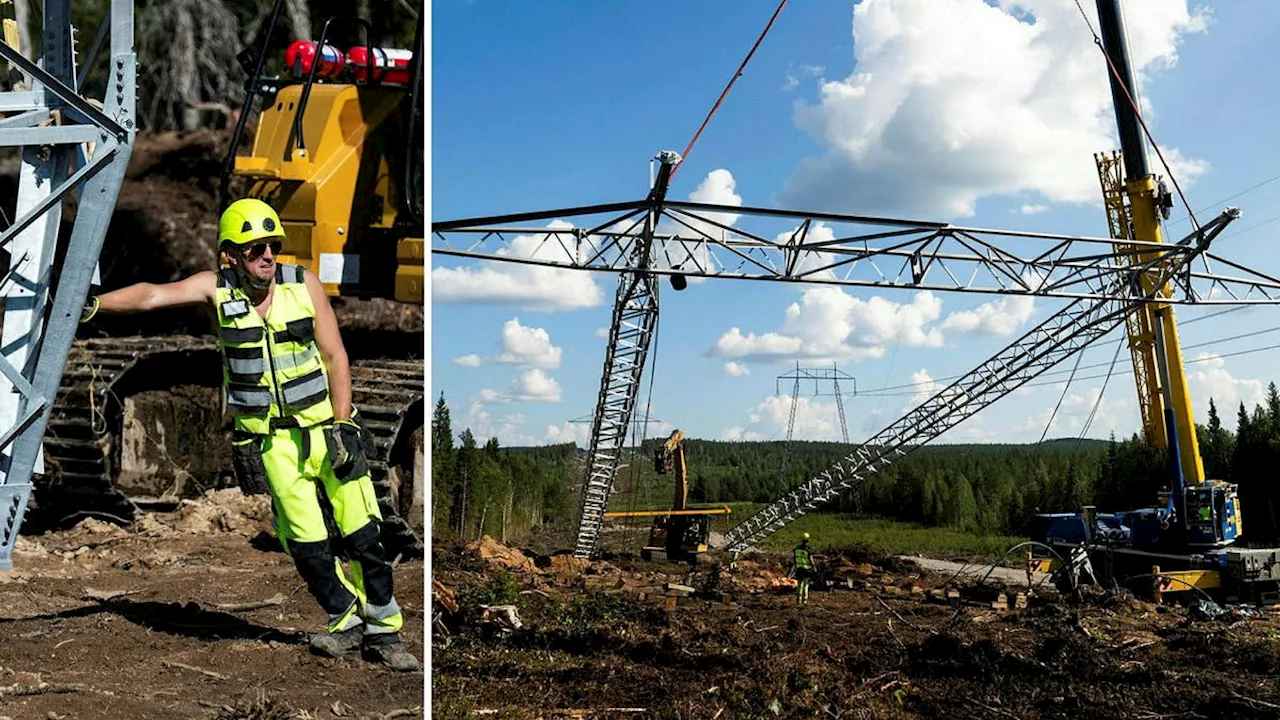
(303, 490)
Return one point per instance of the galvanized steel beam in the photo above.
(720, 241)
(42, 299)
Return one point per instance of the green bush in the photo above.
(503, 589)
(590, 609)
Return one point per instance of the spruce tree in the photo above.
(443, 478)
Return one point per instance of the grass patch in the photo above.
(891, 536)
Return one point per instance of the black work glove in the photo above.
(91, 305)
(346, 450)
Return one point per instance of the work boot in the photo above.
(339, 644)
(392, 653)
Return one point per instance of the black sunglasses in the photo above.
(257, 250)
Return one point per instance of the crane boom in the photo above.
(1140, 322)
(1167, 398)
(1056, 339)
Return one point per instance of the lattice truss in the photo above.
(1059, 337)
(702, 240)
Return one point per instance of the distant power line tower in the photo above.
(820, 378)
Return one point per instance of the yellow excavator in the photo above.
(338, 151)
(681, 533)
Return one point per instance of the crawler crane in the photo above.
(1186, 541)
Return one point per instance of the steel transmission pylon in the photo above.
(820, 376)
(635, 316)
(866, 252)
(70, 144)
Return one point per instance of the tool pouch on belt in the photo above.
(246, 458)
(346, 445)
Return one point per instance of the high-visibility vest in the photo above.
(272, 369)
(802, 559)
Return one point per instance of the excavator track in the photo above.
(139, 422)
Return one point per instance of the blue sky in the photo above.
(949, 110)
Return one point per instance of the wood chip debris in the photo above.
(274, 600)
(106, 595)
(193, 668)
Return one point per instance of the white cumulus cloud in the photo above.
(531, 386)
(950, 101)
(717, 188)
(923, 387)
(529, 286)
(736, 369)
(576, 433)
(739, 434)
(507, 428)
(472, 360)
(998, 317)
(527, 346)
(815, 419)
(829, 323)
(1208, 378)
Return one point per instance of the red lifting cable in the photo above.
(733, 80)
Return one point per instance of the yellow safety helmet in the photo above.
(806, 536)
(248, 220)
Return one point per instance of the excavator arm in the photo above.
(669, 458)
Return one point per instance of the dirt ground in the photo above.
(190, 614)
(606, 640)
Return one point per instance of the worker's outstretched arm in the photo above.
(143, 297)
(329, 340)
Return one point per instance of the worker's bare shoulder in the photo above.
(203, 285)
(313, 282)
(315, 288)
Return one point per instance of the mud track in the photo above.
(190, 614)
(607, 636)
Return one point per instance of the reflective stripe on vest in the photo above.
(271, 366)
(248, 399)
(245, 365)
(305, 391)
(802, 559)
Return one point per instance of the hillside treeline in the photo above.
(981, 488)
(479, 489)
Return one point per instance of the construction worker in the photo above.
(288, 389)
(803, 570)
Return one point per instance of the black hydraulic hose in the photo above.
(369, 77)
(250, 89)
(411, 195)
